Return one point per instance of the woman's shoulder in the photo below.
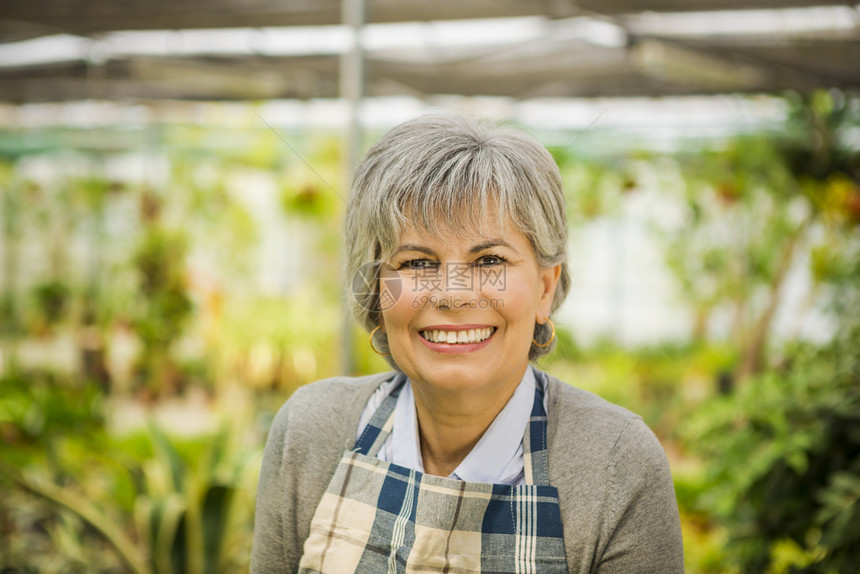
(592, 426)
(337, 388)
(340, 397)
(570, 399)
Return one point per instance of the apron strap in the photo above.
(535, 465)
(377, 430)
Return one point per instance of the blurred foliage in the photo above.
(75, 496)
(10, 229)
(39, 408)
(766, 472)
(821, 126)
(164, 304)
(755, 208)
(782, 470)
(592, 188)
(784, 452)
(52, 301)
(307, 192)
(164, 295)
(194, 513)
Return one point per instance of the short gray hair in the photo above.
(439, 172)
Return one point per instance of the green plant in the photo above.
(191, 504)
(193, 514)
(67, 501)
(71, 496)
(784, 455)
(38, 408)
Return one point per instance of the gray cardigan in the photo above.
(615, 491)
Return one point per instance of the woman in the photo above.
(465, 458)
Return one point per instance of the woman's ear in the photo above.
(549, 281)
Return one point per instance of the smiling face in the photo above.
(468, 305)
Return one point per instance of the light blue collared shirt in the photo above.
(496, 458)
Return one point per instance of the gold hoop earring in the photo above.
(372, 333)
(552, 326)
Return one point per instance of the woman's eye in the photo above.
(490, 261)
(418, 264)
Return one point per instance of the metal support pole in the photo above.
(351, 90)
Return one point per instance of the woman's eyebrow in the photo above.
(413, 247)
(491, 243)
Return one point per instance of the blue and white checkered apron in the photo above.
(378, 517)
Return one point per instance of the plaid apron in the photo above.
(378, 517)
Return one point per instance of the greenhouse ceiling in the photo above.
(59, 50)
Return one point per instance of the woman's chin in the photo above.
(460, 372)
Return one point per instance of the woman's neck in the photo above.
(451, 424)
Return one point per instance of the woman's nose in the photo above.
(458, 277)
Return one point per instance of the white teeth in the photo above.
(457, 337)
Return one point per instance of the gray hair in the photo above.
(440, 172)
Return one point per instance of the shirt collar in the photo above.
(405, 445)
